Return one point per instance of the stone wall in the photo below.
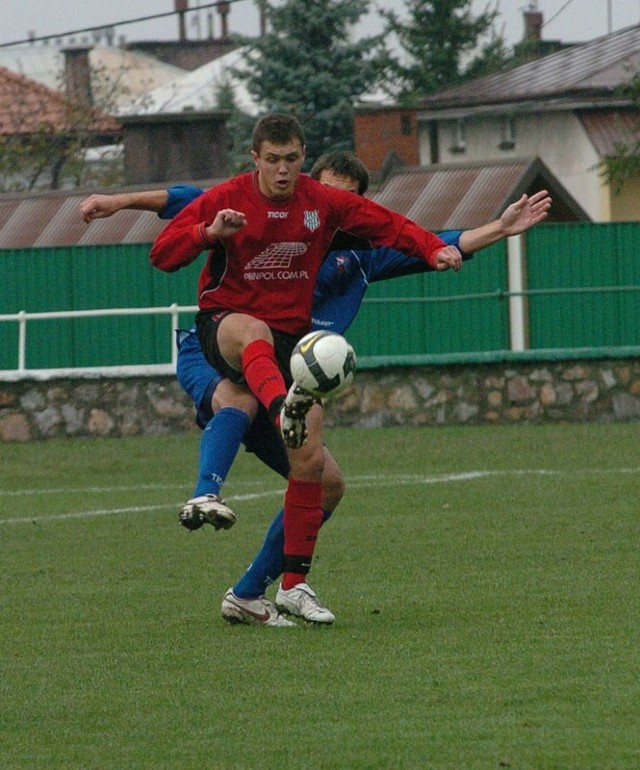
(480, 394)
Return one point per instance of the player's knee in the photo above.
(229, 395)
(307, 463)
(256, 330)
(333, 488)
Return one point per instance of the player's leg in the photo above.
(243, 347)
(222, 434)
(267, 565)
(302, 521)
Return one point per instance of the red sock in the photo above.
(261, 372)
(302, 521)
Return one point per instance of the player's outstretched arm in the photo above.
(515, 219)
(99, 206)
(448, 258)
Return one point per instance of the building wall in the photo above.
(558, 139)
(625, 205)
(166, 148)
(377, 134)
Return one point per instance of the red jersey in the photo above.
(268, 268)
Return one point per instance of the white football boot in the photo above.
(208, 509)
(255, 612)
(301, 602)
(292, 416)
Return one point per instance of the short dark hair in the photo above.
(276, 128)
(342, 163)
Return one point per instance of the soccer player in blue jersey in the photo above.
(230, 416)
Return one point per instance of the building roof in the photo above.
(444, 197)
(609, 131)
(198, 90)
(27, 107)
(437, 198)
(118, 76)
(596, 67)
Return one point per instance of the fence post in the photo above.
(518, 326)
(175, 320)
(22, 340)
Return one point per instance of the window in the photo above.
(405, 125)
(507, 134)
(459, 143)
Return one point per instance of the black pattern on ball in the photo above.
(323, 363)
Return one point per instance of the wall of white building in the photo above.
(557, 138)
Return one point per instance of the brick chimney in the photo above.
(181, 7)
(533, 22)
(223, 10)
(77, 75)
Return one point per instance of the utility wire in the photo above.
(557, 13)
(40, 38)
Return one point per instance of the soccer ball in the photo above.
(323, 364)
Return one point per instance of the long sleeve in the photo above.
(181, 241)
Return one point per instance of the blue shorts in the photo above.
(199, 380)
(195, 374)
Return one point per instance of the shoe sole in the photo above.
(217, 519)
(317, 623)
(243, 620)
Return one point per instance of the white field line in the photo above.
(354, 482)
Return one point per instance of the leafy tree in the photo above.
(44, 138)
(238, 129)
(308, 64)
(442, 43)
(624, 164)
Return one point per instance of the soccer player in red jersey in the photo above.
(267, 233)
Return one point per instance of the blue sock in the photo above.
(219, 446)
(267, 565)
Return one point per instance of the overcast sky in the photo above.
(567, 20)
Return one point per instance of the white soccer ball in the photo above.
(323, 364)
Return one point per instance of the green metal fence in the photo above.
(584, 281)
(582, 293)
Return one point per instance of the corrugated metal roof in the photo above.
(451, 197)
(436, 197)
(599, 65)
(55, 221)
(608, 129)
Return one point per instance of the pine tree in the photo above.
(442, 43)
(309, 65)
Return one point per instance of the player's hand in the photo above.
(98, 207)
(448, 258)
(227, 222)
(525, 213)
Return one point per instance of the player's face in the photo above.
(331, 179)
(278, 168)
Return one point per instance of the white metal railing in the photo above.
(22, 317)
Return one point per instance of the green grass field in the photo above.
(485, 583)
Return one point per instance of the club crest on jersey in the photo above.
(342, 263)
(312, 220)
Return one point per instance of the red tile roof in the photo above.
(27, 107)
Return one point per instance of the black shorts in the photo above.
(207, 322)
(265, 441)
